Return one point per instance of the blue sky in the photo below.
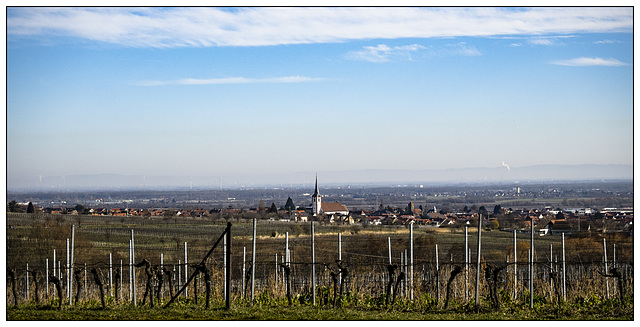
(209, 93)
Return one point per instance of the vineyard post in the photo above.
(406, 271)
(186, 274)
(615, 263)
(564, 272)
(54, 262)
(411, 258)
(466, 262)
(606, 264)
(73, 229)
(59, 269)
(68, 275)
(313, 264)
(469, 256)
(276, 287)
(287, 258)
(133, 269)
(339, 256)
(286, 249)
(160, 292)
(389, 239)
(437, 276)
(531, 268)
(224, 267)
(244, 271)
(478, 263)
(120, 286)
(47, 277)
(179, 274)
(253, 262)
(401, 270)
(515, 265)
(228, 281)
(27, 281)
(130, 274)
(110, 274)
(551, 255)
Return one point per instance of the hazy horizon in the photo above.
(197, 94)
(466, 176)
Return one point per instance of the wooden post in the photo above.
(228, 280)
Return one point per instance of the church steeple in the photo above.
(316, 200)
(316, 193)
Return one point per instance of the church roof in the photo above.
(333, 207)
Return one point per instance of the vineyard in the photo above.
(121, 265)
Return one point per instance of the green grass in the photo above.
(591, 308)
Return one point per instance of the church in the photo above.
(329, 208)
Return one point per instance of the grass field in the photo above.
(31, 240)
(595, 310)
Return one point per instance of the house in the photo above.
(557, 227)
(334, 208)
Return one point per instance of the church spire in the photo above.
(316, 193)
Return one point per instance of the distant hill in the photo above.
(379, 177)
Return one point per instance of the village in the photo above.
(546, 219)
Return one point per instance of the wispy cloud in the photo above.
(584, 61)
(204, 27)
(384, 53)
(607, 42)
(230, 80)
(463, 49)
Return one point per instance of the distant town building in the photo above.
(329, 208)
(316, 201)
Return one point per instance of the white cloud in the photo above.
(540, 41)
(584, 61)
(384, 53)
(205, 26)
(607, 42)
(463, 49)
(231, 80)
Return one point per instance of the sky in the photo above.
(211, 94)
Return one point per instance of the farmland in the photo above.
(360, 292)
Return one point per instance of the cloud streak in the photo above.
(230, 80)
(585, 61)
(206, 27)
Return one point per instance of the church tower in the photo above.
(316, 201)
